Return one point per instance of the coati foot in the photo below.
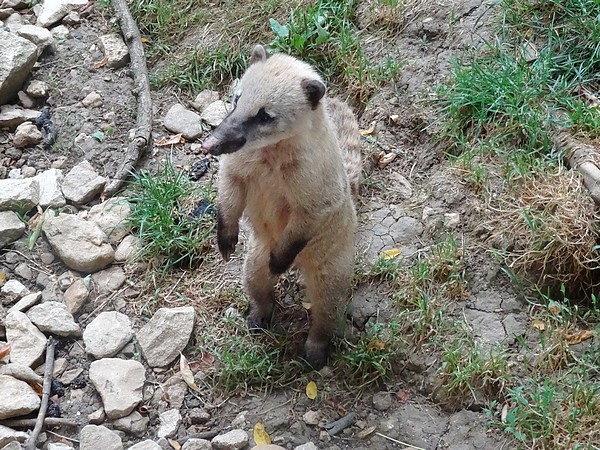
(257, 320)
(226, 245)
(316, 353)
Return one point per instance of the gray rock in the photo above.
(233, 440)
(146, 445)
(215, 112)
(406, 229)
(115, 50)
(28, 172)
(12, 116)
(13, 446)
(127, 249)
(119, 383)
(18, 398)
(312, 417)
(166, 334)
(27, 135)
(60, 365)
(169, 423)
(197, 444)
(97, 417)
(27, 343)
(80, 244)
(54, 10)
(26, 302)
(14, 22)
(25, 100)
(307, 446)
(60, 32)
(24, 271)
(205, 98)
(76, 296)
(111, 216)
(8, 435)
(107, 334)
(14, 289)
(182, 120)
(59, 446)
(21, 372)
(54, 317)
(92, 100)
(17, 57)
(72, 18)
(82, 183)
(14, 4)
(37, 89)
(109, 280)
(11, 228)
(382, 401)
(70, 375)
(134, 423)
(19, 195)
(40, 36)
(50, 182)
(96, 437)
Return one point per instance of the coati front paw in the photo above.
(280, 261)
(257, 320)
(316, 353)
(226, 244)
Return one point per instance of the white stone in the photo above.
(14, 288)
(54, 318)
(233, 440)
(50, 182)
(197, 444)
(181, 120)
(205, 98)
(166, 335)
(54, 10)
(146, 445)
(59, 446)
(13, 446)
(21, 372)
(19, 195)
(72, 18)
(60, 32)
(12, 116)
(307, 446)
(82, 183)
(312, 417)
(115, 50)
(37, 89)
(111, 216)
(17, 57)
(109, 280)
(134, 423)
(76, 295)
(80, 244)
(98, 437)
(215, 112)
(27, 135)
(14, 4)
(17, 399)
(8, 435)
(127, 249)
(119, 382)
(15, 174)
(25, 100)
(107, 334)
(40, 36)
(92, 100)
(11, 228)
(26, 302)
(27, 343)
(169, 423)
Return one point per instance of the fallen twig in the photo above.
(143, 129)
(48, 370)
(335, 427)
(399, 442)
(48, 421)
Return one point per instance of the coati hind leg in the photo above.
(259, 283)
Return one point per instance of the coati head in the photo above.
(274, 99)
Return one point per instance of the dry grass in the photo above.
(552, 224)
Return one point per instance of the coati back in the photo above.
(290, 165)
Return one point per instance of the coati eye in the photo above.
(263, 116)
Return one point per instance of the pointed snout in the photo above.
(224, 140)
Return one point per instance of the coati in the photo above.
(291, 165)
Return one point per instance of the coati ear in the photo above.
(258, 54)
(314, 91)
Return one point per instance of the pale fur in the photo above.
(292, 185)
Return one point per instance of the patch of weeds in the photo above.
(391, 16)
(324, 35)
(373, 358)
(160, 205)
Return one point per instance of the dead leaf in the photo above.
(554, 308)
(366, 432)
(145, 40)
(390, 254)
(187, 374)
(306, 305)
(170, 140)
(579, 336)
(395, 118)
(100, 63)
(504, 413)
(311, 390)
(369, 130)
(376, 344)
(261, 437)
(176, 445)
(4, 348)
(387, 158)
(206, 363)
(2, 277)
(538, 324)
(402, 396)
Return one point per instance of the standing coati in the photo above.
(291, 165)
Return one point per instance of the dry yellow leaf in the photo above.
(261, 437)
(306, 305)
(4, 350)
(504, 413)
(370, 130)
(538, 324)
(386, 159)
(176, 445)
(311, 390)
(554, 308)
(2, 277)
(579, 336)
(365, 433)
(390, 254)
(186, 373)
(376, 344)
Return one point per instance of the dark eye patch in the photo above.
(264, 117)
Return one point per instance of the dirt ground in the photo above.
(389, 218)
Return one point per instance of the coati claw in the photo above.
(226, 245)
(316, 355)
